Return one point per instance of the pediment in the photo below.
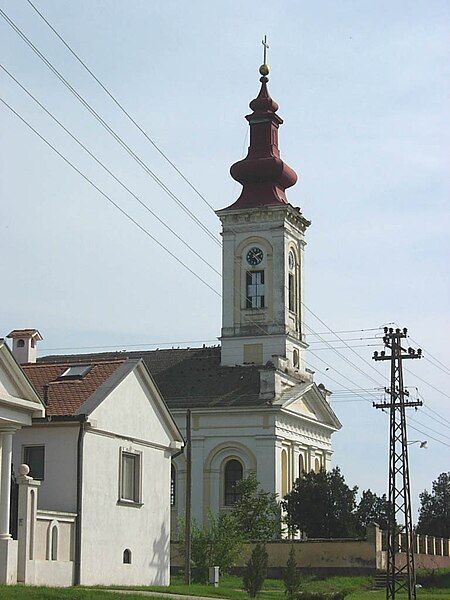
(306, 400)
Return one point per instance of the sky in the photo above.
(362, 90)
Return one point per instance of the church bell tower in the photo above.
(263, 243)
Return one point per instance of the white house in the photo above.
(255, 405)
(100, 460)
(19, 403)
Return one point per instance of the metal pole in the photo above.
(187, 523)
(399, 531)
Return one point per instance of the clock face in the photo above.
(291, 260)
(255, 256)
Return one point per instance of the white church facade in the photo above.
(255, 406)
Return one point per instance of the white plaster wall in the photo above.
(247, 435)
(279, 234)
(58, 490)
(108, 528)
(130, 410)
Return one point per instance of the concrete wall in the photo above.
(57, 571)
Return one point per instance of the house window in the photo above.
(34, 457)
(20, 343)
(284, 473)
(130, 471)
(233, 473)
(255, 289)
(295, 356)
(173, 486)
(127, 556)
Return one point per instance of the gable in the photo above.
(135, 409)
(308, 401)
(18, 399)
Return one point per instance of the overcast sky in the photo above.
(362, 90)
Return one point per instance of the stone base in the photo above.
(8, 561)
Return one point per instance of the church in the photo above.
(255, 407)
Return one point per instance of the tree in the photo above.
(372, 509)
(217, 543)
(257, 512)
(291, 576)
(322, 505)
(434, 512)
(255, 571)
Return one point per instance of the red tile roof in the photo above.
(64, 397)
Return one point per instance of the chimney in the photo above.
(24, 343)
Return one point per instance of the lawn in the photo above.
(358, 588)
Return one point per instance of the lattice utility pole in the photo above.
(400, 576)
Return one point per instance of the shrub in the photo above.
(217, 543)
(255, 571)
(323, 595)
(291, 576)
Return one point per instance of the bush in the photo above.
(255, 571)
(434, 578)
(291, 576)
(323, 595)
(217, 543)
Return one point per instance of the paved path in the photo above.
(160, 594)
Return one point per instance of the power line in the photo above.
(141, 345)
(128, 216)
(431, 355)
(341, 339)
(428, 383)
(427, 435)
(105, 125)
(344, 357)
(120, 106)
(105, 168)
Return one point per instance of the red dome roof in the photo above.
(262, 173)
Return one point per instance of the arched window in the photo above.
(54, 543)
(232, 474)
(301, 465)
(295, 358)
(20, 343)
(317, 465)
(284, 473)
(173, 486)
(292, 282)
(127, 556)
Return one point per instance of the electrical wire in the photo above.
(105, 168)
(121, 107)
(108, 198)
(427, 383)
(105, 125)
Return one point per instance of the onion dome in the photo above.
(262, 173)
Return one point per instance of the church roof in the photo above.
(64, 395)
(186, 377)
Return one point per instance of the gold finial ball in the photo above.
(264, 70)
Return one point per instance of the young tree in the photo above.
(322, 505)
(434, 512)
(372, 509)
(255, 571)
(291, 576)
(257, 512)
(217, 543)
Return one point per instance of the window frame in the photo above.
(251, 301)
(226, 503)
(27, 447)
(137, 482)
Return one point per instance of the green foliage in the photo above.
(434, 512)
(372, 509)
(217, 543)
(257, 512)
(322, 505)
(434, 578)
(291, 576)
(255, 571)
(323, 595)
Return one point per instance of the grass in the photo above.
(436, 587)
